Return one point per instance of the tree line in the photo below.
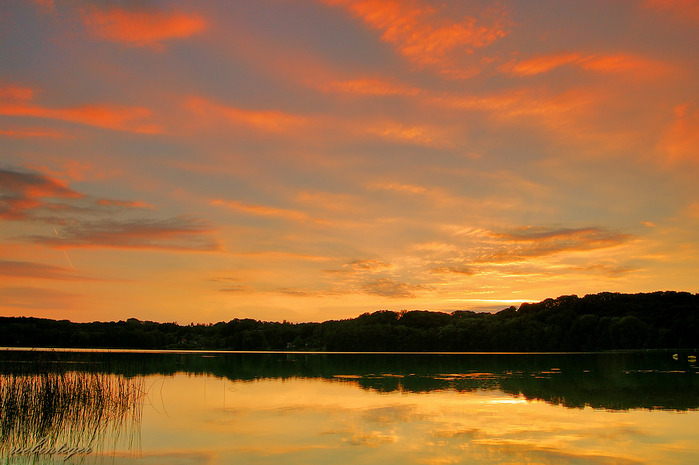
(605, 321)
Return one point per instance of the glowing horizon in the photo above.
(315, 160)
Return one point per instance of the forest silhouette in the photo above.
(605, 321)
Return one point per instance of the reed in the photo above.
(55, 407)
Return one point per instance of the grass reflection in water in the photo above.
(46, 407)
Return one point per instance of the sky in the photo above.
(195, 162)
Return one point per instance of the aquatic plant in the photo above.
(56, 407)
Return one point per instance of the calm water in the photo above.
(178, 408)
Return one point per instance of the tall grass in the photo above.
(56, 407)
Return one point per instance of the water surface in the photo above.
(264, 408)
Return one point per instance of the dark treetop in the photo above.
(605, 321)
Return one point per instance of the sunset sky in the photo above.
(317, 159)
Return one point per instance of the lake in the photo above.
(94, 407)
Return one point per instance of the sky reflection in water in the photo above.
(319, 421)
(407, 409)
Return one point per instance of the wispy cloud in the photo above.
(18, 102)
(453, 269)
(24, 193)
(180, 233)
(29, 297)
(530, 242)
(373, 277)
(142, 27)
(16, 93)
(30, 196)
(387, 287)
(425, 37)
(680, 142)
(541, 64)
(264, 120)
(683, 10)
(601, 63)
(370, 264)
(38, 270)
(32, 133)
(368, 87)
(417, 135)
(117, 117)
(264, 210)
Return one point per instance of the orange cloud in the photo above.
(47, 6)
(418, 135)
(269, 121)
(276, 256)
(38, 298)
(75, 170)
(541, 64)
(453, 269)
(373, 277)
(685, 10)
(423, 38)
(373, 87)
(623, 63)
(115, 117)
(263, 210)
(142, 28)
(37, 270)
(569, 111)
(391, 288)
(619, 63)
(16, 93)
(123, 203)
(343, 203)
(32, 132)
(397, 187)
(681, 141)
(370, 264)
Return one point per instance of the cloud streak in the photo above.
(17, 102)
(531, 242)
(29, 196)
(178, 234)
(142, 28)
(263, 210)
(425, 38)
(24, 269)
(23, 193)
(263, 120)
(619, 63)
